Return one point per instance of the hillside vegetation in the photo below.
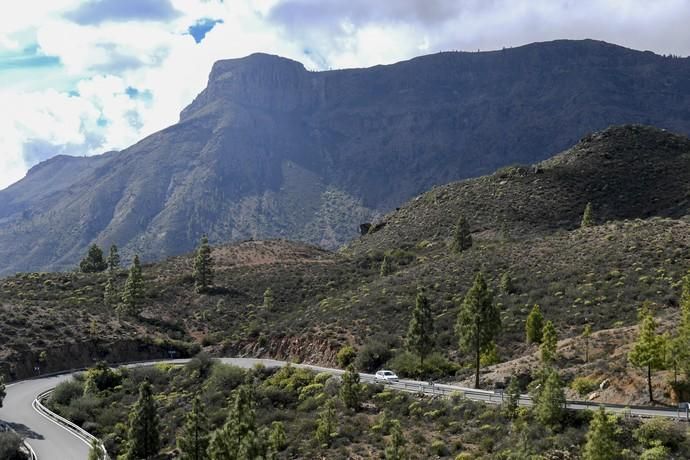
(524, 223)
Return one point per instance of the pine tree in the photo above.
(601, 438)
(96, 451)
(350, 389)
(420, 333)
(326, 426)
(194, 440)
(549, 344)
(143, 441)
(109, 292)
(462, 239)
(93, 262)
(239, 438)
(506, 283)
(549, 403)
(648, 350)
(395, 450)
(203, 266)
(586, 334)
(3, 391)
(113, 261)
(587, 216)
(676, 354)
(277, 440)
(386, 267)
(513, 395)
(534, 325)
(683, 332)
(134, 289)
(478, 322)
(269, 299)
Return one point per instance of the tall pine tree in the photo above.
(143, 438)
(239, 438)
(549, 402)
(648, 350)
(420, 334)
(395, 449)
(586, 335)
(203, 266)
(462, 238)
(549, 345)
(602, 442)
(194, 440)
(93, 262)
(113, 260)
(134, 289)
(587, 216)
(350, 389)
(534, 325)
(326, 425)
(478, 322)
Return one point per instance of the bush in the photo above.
(372, 356)
(655, 453)
(662, 431)
(10, 447)
(407, 364)
(439, 448)
(583, 385)
(346, 356)
(65, 392)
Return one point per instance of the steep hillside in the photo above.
(639, 250)
(626, 172)
(270, 150)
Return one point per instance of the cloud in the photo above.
(96, 12)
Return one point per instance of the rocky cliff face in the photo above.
(269, 149)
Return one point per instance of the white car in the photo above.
(385, 376)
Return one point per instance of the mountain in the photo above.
(524, 222)
(270, 149)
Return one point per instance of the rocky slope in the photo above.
(269, 149)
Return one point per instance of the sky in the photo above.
(83, 77)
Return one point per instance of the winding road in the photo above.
(51, 440)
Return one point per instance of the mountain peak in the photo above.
(259, 80)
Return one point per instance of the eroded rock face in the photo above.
(271, 150)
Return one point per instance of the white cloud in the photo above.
(161, 60)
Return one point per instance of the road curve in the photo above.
(48, 439)
(52, 441)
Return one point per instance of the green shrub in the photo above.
(372, 356)
(10, 447)
(655, 453)
(439, 448)
(65, 392)
(583, 385)
(346, 356)
(662, 431)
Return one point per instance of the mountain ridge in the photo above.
(271, 150)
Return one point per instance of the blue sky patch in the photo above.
(28, 58)
(199, 29)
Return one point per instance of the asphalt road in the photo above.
(48, 440)
(51, 441)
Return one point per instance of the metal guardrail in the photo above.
(498, 397)
(78, 431)
(28, 450)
